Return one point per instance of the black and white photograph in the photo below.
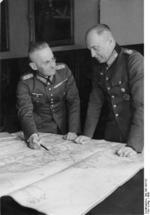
(74, 136)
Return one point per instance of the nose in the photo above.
(93, 54)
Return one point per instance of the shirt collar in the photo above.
(45, 79)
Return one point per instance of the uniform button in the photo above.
(114, 105)
(108, 88)
(101, 73)
(112, 96)
(123, 89)
(116, 114)
(49, 89)
(107, 78)
(120, 82)
(48, 83)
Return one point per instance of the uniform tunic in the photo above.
(49, 106)
(118, 89)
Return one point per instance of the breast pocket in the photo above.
(121, 89)
(60, 90)
(37, 98)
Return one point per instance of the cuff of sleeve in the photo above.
(138, 147)
(32, 135)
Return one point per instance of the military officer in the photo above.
(48, 99)
(115, 109)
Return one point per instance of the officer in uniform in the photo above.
(115, 109)
(48, 100)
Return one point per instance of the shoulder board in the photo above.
(60, 66)
(27, 76)
(128, 51)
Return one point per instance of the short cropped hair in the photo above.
(99, 28)
(37, 46)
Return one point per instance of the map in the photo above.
(17, 161)
(68, 179)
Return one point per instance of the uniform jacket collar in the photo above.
(113, 56)
(45, 79)
(118, 67)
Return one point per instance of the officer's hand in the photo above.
(82, 139)
(70, 136)
(34, 141)
(126, 151)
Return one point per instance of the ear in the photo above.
(33, 66)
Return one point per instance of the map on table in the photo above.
(68, 179)
(17, 161)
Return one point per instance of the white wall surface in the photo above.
(125, 17)
(86, 15)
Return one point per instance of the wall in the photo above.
(18, 29)
(85, 16)
(126, 18)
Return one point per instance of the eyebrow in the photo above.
(50, 59)
(95, 47)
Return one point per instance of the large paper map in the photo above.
(67, 179)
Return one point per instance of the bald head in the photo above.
(99, 29)
(100, 42)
